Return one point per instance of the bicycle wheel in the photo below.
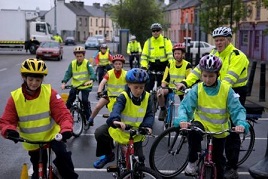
(139, 173)
(208, 172)
(78, 123)
(247, 145)
(169, 153)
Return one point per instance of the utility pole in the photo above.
(231, 15)
(55, 17)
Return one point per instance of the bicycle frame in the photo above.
(170, 110)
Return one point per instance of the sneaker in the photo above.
(191, 168)
(162, 115)
(103, 160)
(230, 174)
(89, 123)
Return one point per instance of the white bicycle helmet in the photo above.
(133, 37)
(222, 32)
(156, 26)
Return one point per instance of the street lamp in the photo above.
(199, 34)
(105, 8)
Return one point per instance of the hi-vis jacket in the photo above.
(176, 74)
(115, 86)
(160, 48)
(234, 71)
(104, 58)
(35, 123)
(133, 46)
(80, 74)
(213, 107)
(133, 115)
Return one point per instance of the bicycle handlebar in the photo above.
(58, 137)
(195, 128)
(140, 130)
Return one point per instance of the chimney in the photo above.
(96, 5)
(79, 4)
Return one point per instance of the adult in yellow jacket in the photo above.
(58, 38)
(134, 51)
(234, 72)
(157, 50)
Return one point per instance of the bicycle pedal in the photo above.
(112, 168)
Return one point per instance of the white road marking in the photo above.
(3, 69)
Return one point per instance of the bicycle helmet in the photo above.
(103, 46)
(222, 32)
(79, 49)
(33, 66)
(210, 63)
(118, 57)
(156, 26)
(133, 37)
(137, 75)
(178, 46)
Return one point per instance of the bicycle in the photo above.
(77, 111)
(168, 154)
(52, 170)
(153, 92)
(128, 165)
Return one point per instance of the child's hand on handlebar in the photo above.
(184, 125)
(180, 86)
(239, 129)
(88, 83)
(120, 125)
(63, 86)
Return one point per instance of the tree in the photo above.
(215, 13)
(137, 16)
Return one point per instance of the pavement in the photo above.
(255, 94)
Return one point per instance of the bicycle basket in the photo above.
(64, 96)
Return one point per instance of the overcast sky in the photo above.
(42, 4)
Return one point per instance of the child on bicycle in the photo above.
(36, 112)
(103, 61)
(115, 79)
(133, 107)
(211, 104)
(176, 71)
(82, 74)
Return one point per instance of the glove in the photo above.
(66, 135)
(13, 135)
(144, 68)
(99, 94)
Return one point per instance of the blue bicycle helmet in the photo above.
(137, 75)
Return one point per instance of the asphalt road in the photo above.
(12, 155)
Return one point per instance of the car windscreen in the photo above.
(49, 45)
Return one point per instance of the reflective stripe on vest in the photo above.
(80, 74)
(212, 110)
(35, 122)
(116, 85)
(132, 115)
(163, 57)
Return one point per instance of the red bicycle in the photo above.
(52, 170)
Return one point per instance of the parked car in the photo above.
(205, 48)
(69, 41)
(100, 38)
(92, 42)
(49, 50)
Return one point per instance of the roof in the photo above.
(78, 10)
(94, 11)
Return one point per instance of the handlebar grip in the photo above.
(58, 137)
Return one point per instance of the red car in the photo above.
(49, 50)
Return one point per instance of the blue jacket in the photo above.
(189, 104)
(119, 106)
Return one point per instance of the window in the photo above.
(244, 38)
(40, 27)
(80, 21)
(86, 21)
(96, 22)
(257, 39)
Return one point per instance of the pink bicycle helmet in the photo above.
(210, 63)
(178, 46)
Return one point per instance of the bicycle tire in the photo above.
(247, 145)
(78, 123)
(208, 172)
(154, 102)
(140, 172)
(169, 156)
(120, 161)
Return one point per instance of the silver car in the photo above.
(92, 42)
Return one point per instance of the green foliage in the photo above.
(215, 13)
(137, 16)
(265, 3)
